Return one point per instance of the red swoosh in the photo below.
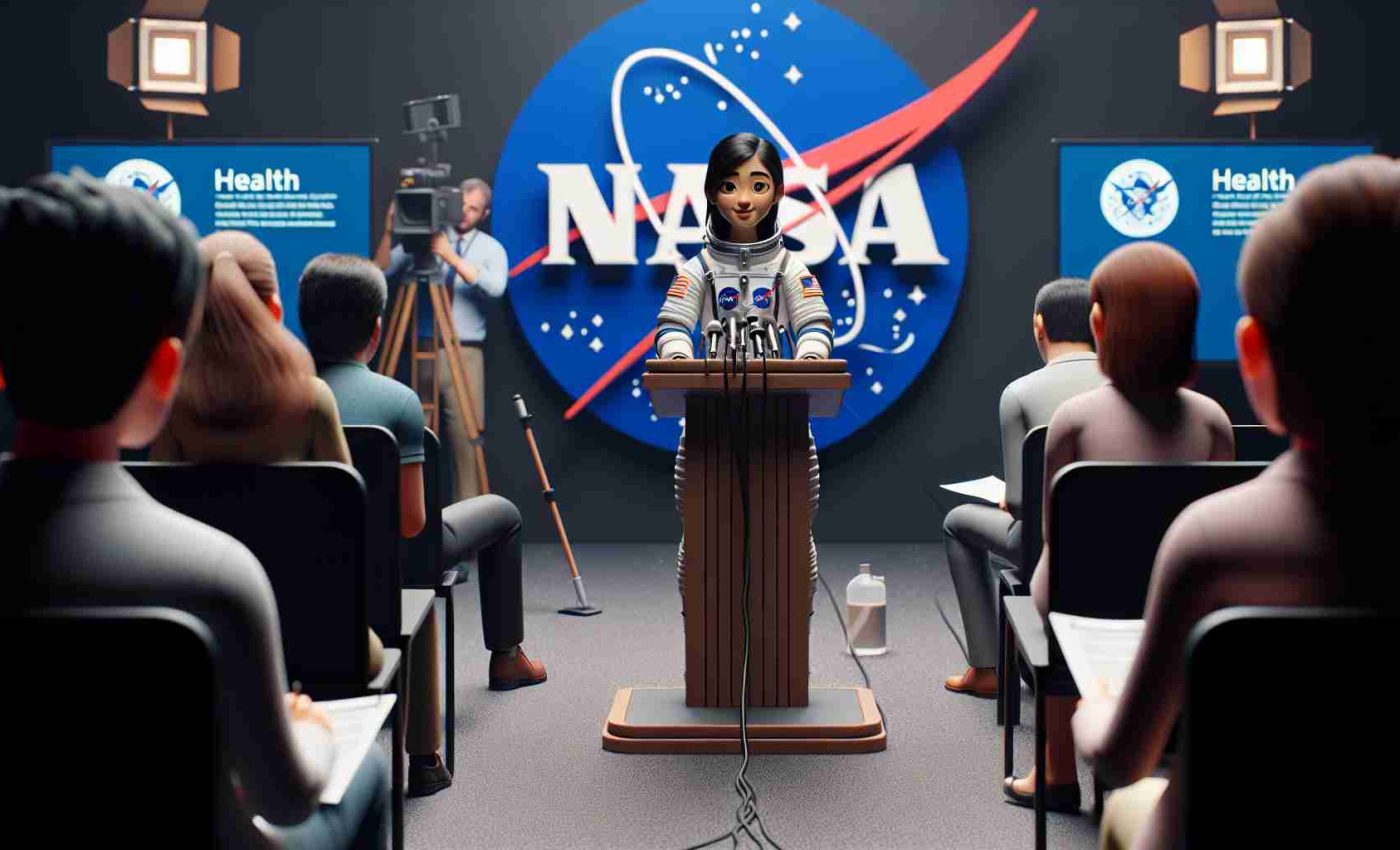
(896, 134)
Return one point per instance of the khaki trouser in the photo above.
(453, 427)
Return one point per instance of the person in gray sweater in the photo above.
(79, 531)
(1060, 324)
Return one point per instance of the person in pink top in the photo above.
(1143, 299)
(1279, 539)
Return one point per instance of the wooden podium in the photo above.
(771, 414)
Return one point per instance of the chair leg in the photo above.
(1098, 798)
(397, 771)
(1040, 743)
(1010, 684)
(451, 685)
(1001, 664)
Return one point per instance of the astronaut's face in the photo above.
(744, 197)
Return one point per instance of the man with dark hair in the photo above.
(81, 532)
(1066, 344)
(341, 305)
(474, 268)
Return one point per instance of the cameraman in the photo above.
(474, 265)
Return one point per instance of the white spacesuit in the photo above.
(760, 279)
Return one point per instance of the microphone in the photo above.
(713, 332)
(732, 338)
(756, 337)
(774, 347)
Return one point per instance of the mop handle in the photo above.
(525, 418)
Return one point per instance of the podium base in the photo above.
(657, 720)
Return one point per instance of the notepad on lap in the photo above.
(356, 723)
(1099, 652)
(990, 489)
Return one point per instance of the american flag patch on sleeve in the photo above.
(679, 287)
(810, 287)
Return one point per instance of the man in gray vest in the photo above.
(473, 265)
(970, 532)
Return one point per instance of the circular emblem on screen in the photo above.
(600, 193)
(1139, 198)
(150, 178)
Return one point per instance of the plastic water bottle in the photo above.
(865, 613)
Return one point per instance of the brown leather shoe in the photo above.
(511, 670)
(980, 682)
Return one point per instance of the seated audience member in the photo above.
(341, 307)
(1062, 336)
(1277, 540)
(250, 392)
(1145, 298)
(92, 537)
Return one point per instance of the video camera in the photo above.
(428, 200)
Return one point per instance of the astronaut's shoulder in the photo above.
(793, 268)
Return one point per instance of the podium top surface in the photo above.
(822, 381)
(691, 366)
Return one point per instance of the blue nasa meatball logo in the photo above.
(600, 194)
(729, 298)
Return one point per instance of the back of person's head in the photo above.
(245, 369)
(95, 277)
(1147, 296)
(1318, 276)
(341, 297)
(1063, 305)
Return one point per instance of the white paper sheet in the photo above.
(356, 723)
(990, 489)
(1099, 652)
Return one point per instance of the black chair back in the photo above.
(1257, 443)
(305, 522)
(1106, 521)
(421, 556)
(1254, 709)
(375, 453)
(1032, 497)
(130, 693)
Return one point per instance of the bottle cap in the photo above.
(865, 568)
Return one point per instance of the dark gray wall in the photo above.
(1085, 69)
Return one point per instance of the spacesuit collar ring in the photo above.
(742, 254)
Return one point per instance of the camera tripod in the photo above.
(401, 316)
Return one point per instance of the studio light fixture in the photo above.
(172, 58)
(1258, 56)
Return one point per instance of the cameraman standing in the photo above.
(474, 266)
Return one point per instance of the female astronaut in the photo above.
(744, 270)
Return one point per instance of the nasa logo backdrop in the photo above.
(599, 191)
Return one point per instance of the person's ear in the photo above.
(378, 335)
(486, 213)
(1258, 374)
(1096, 322)
(274, 305)
(163, 369)
(1039, 325)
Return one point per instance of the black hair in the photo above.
(728, 154)
(1064, 306)
(95, 277)
(340, 297)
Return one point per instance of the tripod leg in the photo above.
(461, 387)
(387, 344)
(408, 297)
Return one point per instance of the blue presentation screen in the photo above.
(1200, 198)
(299, 199)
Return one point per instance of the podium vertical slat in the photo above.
(697, 485)
(799, 561)
(780, 502)
(715, 560)
(736, 577)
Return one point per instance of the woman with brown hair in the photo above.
(1303, 532)
(249, 392)
(1144, 299)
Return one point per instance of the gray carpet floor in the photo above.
(531, 771)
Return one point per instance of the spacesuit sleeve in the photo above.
(807, 312)
(685, 298)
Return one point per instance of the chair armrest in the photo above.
(379, 684)
(449, 579)
(1012, 584)
(1029, 629)
(415, 603)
